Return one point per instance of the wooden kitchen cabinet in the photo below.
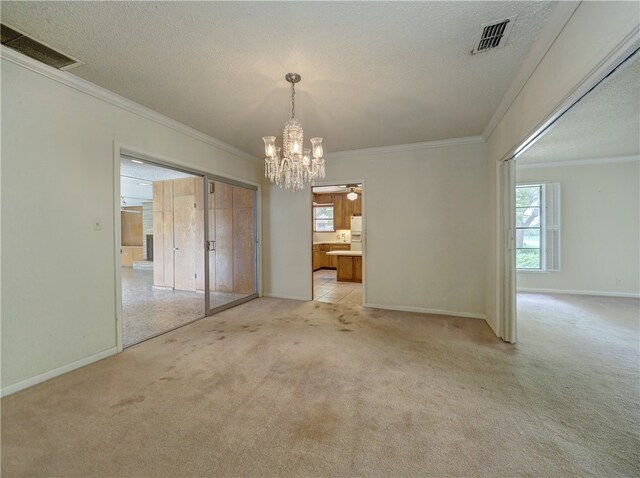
(323, 198)
(322, 260)
(333, 260)
(325, 260)
(340, 213)
(316, 257)
(349, 268)
(345, 269)
(343, 208)
(357, 268)
(357, 206)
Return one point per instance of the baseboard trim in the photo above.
(289, 297)
(43, 377)
(598, 293)
(423, 310)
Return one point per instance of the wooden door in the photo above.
(167, 233)
(211, 235)
(199, 233)
(184, 234)
(224, 236)
(158, 233)
(243, 241)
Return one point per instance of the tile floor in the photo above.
(147, 312)
(327, 289)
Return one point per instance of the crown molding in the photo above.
(522, 164)
(561, 14)
(397, 148)
(84, 86)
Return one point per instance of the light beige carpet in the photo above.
(284, 388)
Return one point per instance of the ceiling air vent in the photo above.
(494, 35)
(26, 45)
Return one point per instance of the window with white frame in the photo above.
(323, 218)
(537, 238)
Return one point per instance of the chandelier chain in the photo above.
(292, 165)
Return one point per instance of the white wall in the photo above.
(58, 274)
(600, 229)
(333, 236)
(575, 58)
(286, 243)
(424, 210)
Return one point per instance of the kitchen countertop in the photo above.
(330, 242)
(344, 253)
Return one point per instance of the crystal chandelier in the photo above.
(293, 166)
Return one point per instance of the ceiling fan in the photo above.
(355, 190)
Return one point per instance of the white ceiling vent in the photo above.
(494, 35)
(16, 40)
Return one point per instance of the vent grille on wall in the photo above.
(26, 45)
(493, 35)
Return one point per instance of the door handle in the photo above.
(211, 245)
(176, 248)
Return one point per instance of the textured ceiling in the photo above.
(373, 73)
(604, 124)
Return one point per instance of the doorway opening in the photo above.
(188, 247)
(337, 244)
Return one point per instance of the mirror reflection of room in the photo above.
(578, 218)
(162, 269)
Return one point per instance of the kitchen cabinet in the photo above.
(343, 208)
(349, 269)
(357, 206)
(323, 198)
(333, 260)
(322, 260)
(351, 208)
(357, 269)
(340, 219)
(316, 257)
